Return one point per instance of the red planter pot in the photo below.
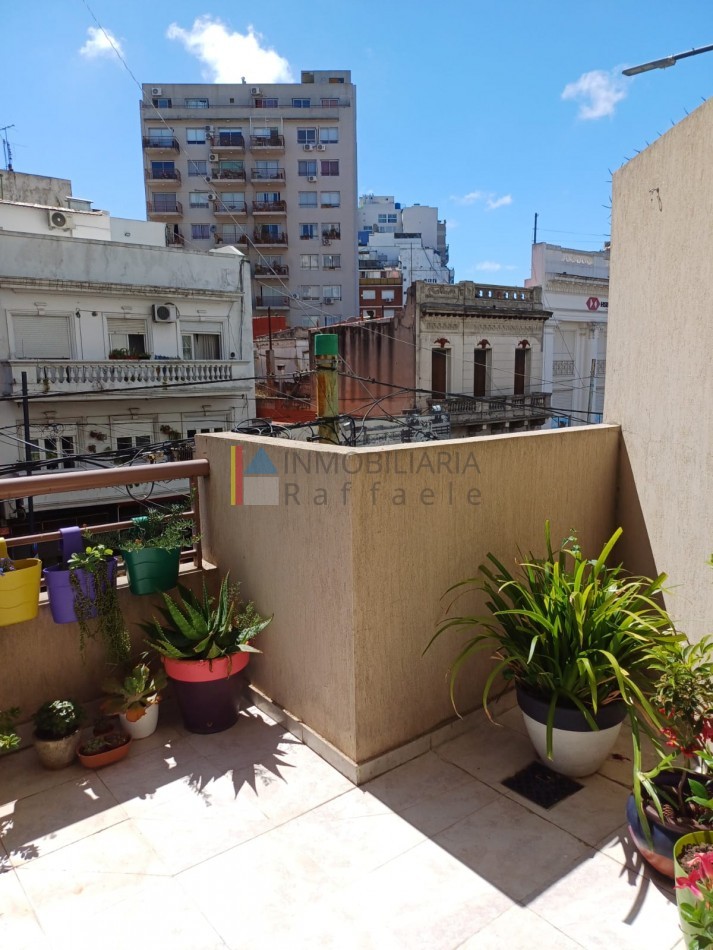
(208, 691)
(101, 759)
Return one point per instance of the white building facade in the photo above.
(124, 344)
(575, 287)
(270, 169)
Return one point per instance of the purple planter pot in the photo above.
(61, 592)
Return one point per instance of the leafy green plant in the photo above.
(570, 631)
(104, 743)
(9, 739)
(203, 627)
(164, 528)
(133, 694)
(57, 719)
(97, 605)
(698, 916)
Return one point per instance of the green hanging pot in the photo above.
(151, 569)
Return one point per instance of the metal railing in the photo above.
(270, 237)
(174, 207)
(271, 270)
(267, 174)
(228, 174)
(172, 176)
(161, 142)
(272, 300)
(225, 207)
(269, 206)
(267, 141)
(227, 140)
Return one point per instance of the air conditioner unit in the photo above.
(213, 228)
(312, 178)
(213, 157)
(164, 313)
(209, 128)
(328, 300)
(369, 314)
(321, 148)
(326, 242)
(255, 91)
(208, 178)
(212, 196)
(156, 91)
(60, 220)
(308, 147)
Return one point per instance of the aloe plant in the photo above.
(133, 694)
(204, 627)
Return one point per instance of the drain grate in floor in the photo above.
(541, 785)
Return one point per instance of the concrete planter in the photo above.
(57, 753)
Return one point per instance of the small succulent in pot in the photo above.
(133, 694)
(9, 738)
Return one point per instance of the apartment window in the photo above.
(329, 135)
(163, 170)
(267, 169)
(267, 197)
(306, 136)
(231, 169)
(387, 296)
(196, 103)
(232, 233)
(332, 231)
(329, 199)
(308, 231)
(522, 368)
(198, 199)
(44, 448)
(329, 168)
(482, 357)
(310, 291)
(230, 137)
(204, 425)
(161, 103)
(165, 202)
(231, 201)
(265, 103)
(389, 312)
(200, 232)
(392, 218)
(333, 292)
(301, 104)
(128, 433)
(307, 199)
(307, 169)
(126, 442)
(270, 231)
(196, 168)
(439, 373)
(332, 261)
(200, 346)
(41, 337)
(368, 295)
(330, 103)
(126, 334)
(195, 136)
(309, 261)
(160, 135)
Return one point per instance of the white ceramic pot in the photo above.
(577, 750)
(143, 727)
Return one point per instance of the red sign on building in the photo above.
(593, 303)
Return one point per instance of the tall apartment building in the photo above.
(269, 168)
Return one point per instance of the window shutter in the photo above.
(120, 325)
(41, 337)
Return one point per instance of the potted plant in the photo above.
(118, 353)
(19, 587)
(56, 734)
(578, 640)
(675, 797)
(135, 698)
(693, 858)
(152, 549)
(205, 643)
(9, 738)
(104, 749)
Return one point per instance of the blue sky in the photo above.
(490, 111)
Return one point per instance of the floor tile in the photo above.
(516, 851)
(21, 775)
(600, 903)
(19, 926)
(519, 927)
(490, 753)
(57, 816)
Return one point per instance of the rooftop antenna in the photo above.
(7, 151)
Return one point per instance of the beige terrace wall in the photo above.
(659, 379)
(355, 583)
(39, 659)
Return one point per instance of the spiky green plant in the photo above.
(133, 694)
(203, 627)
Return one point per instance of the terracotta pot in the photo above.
(100, 759)
(208, 691)
(57, 753)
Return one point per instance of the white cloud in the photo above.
(597, 93)
(228, 55)
(488, 197)
(493, 266)
(492, 203)
(99, 43)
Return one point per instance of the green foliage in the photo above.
(131, 695)
(108, 624)
(201, 628)
(57, 719)
(164, 528)
(9, 739)
(104, 743)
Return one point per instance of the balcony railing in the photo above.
(271, 270)
(262, 302)
(267, 141)
(271, 237)
(332, 234)
(169, 177)
(161, 209)
(160, 143)
(218, 175)
(269, 207)
(231, 236)
(67, 376)
(267, 174)
(470, 409)
(227, 208)
(227, 140)
(174, 238)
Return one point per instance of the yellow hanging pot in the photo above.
(19, 589)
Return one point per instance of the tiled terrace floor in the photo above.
(249, 839)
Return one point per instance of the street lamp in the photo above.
(664, 63)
